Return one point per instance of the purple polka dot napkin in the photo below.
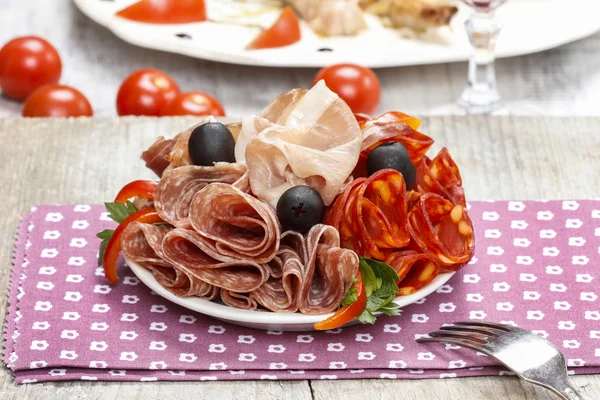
(536, 266)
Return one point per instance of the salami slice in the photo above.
(392, 127)
(197, 257)
(329, 272)
(443, 230)
(414, 270)
(238, 300)
(440, 176)
(280, 293)
(178, 186)
(240, 225)
(142, 243)
(156, 157)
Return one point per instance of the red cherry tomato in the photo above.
(285, 31)
(146, 92)
(57, 101)
(194, 103)
(358, 86)
(26, 63)
(165, 11)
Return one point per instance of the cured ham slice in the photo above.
(156, 157)
(316, 275)
(142, 244)
(240, 225)
(316, 141)
(442, 230)
(198, 259)
(441, 176)
(178, 186)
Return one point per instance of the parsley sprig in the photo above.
(381, 288)
(117, 212)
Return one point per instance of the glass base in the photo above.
(475, 101)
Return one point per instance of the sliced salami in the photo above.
(240, 225)
(440, 176)
(142, 243)
(442, 230)
(178, 187)
(197, 258)
(238, 300)
(414, 270)
(329, 272)
(156, 157)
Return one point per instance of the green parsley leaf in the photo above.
(381, 288)
(368, 276)
(351, 296)
(119, 211)
(366, 317)
(105, 235)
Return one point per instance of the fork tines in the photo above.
(467, 334)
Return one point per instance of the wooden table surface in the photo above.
(87, 160)
(562, 81)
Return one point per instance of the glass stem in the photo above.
(481, 95)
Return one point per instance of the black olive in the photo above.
(395, 156)
(300, 208)
(210, 143)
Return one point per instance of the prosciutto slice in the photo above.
(315, 140)
(316, 273)
(142, 243)
(240, 225)
(198, 259)
(156, 157)
(178, 186)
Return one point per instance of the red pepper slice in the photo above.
(145, 189)
(111, 254)
(346, 314)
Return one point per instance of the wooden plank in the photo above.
(81, 161)
(562, 81)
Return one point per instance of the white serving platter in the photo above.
(263, 319)
(529, 26)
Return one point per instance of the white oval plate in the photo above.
(529, 26)
(264, 319)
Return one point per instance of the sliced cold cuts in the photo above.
(240, 225)
(178, 187)
(442, 230)
(441, 176)
(315, 141)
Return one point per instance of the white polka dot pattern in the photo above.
(535, 267)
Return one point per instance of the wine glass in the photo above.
(481, 94)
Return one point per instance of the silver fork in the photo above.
(530, 356)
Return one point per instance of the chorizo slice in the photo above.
(440, 176)
(414, 270)
(443, 230)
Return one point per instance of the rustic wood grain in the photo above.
(562, 81)
(86, 160)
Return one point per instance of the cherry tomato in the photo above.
(358, 86)
(194, 103)
(165, 11)
(285, 31)
(26, 63)
(146, 92)
(57, 101)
